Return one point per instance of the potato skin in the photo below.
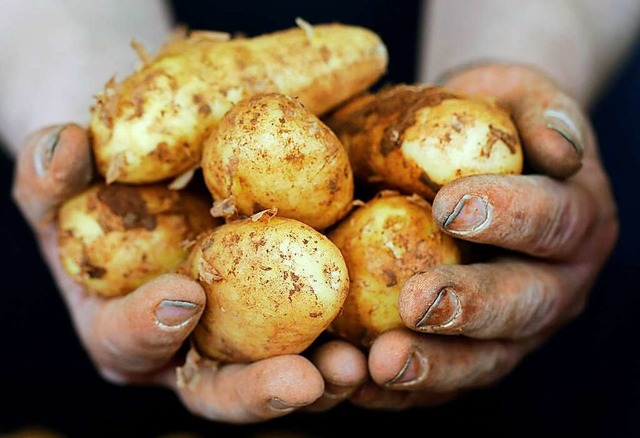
(151, 126)
(114, 238)
(273, 286)
(270, 151)
(384, 243)
(416, 138)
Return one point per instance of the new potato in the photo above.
(114, 238)
(150, 126)
(416, 138)
(247, 110)
(273, 286)
(384, 243)
(270, 151)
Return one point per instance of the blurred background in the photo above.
(586, 380)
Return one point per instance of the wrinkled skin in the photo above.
(138, 338)
(561, 225)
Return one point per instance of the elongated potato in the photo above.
(151, 126)
(113, 238)
(384, 243)
(273, 286)
(270, 151)
(416, 138)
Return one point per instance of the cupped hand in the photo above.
(142, 337)
(469, 325)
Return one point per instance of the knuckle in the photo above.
(565, 228)
(539, 307)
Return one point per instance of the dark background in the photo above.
(583, 382)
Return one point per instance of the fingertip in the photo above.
(560, 158)
(60, 158)
(281, 385)
(251, 392)
(72, 159)
(341, 364)
(394, 359)
(294, 380)
(554, 132)
(422, 299)
(450, 195)
(344, 370)
(55, 164)
(172, 286)
(178, 301)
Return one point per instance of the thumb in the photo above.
(55, 163)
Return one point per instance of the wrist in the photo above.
(551, 37)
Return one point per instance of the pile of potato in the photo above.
(268, 170)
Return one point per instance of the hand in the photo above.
(140, 338)
(558, 225)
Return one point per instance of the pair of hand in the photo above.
(558, 226)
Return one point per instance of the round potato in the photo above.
(270, 151)
(384, 243)
(273, 286)
(416, 138)
(113, 238)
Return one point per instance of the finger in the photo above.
(508, 298)
(408, 361)
(132, 336)
(140, 332)
(554, 130)
(55, 164)
(247, 393)
(532, 214)
(344, 370)
(373, 396)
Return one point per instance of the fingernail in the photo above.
(471, 213)
(277, 404)
(563, 125)
(366, 393)
(43, 152)
(413, 371)
(175, 313)
(338, 392)
(442, 311)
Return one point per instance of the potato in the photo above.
(273, 286)
(113, 238)
(270, 151)
(416, 138)
(151, 126)
(384, 243)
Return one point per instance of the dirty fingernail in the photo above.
(171, 313)
(43, 152)
(471, 213)
(413, 371)
(563, 125)
(442, 311)
(333, 391)
(277, 404)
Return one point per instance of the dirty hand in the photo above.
(469, 325)
(140, 338)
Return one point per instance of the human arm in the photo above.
(558, 230)
(579, 44)
(57, 54)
